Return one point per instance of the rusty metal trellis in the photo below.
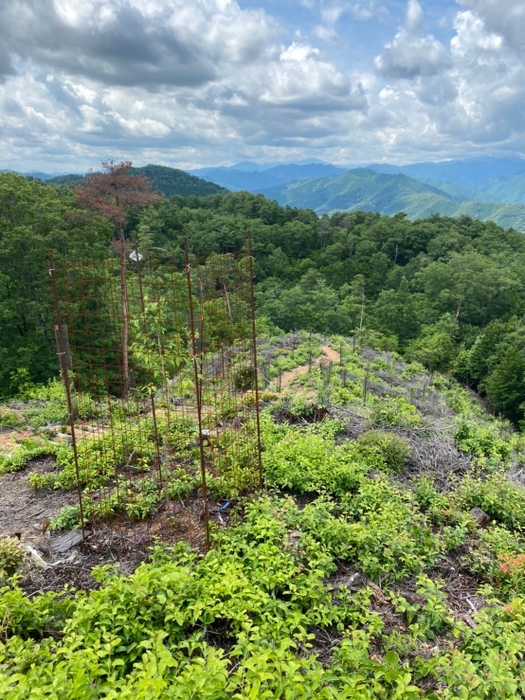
(183, 426)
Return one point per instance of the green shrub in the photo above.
(396, 412)
(377, 529)
(426, 493)
(10, 418)
(496, 547)
(394, 449)
(488, 663)
(501, 499)
(379, 364)
(413, 369)
(308, 462)
(482, 441)
(11, 556)
(244, 378)
(68, 518)
(24, 454)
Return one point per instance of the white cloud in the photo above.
(204, 81)
(330, 14)
(364, 11)
(490, 81)
(302, 78)
(202, 75)
(473, 39)
(129, 42)
(410, 54)
(414, 20)
(503, 17)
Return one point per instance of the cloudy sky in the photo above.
(190, 83)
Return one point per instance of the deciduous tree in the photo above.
(35, 218)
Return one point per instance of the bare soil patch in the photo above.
(120, 542)
(329, 354)
(24, 512)
(288, 377)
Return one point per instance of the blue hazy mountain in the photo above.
(37, 174)
(505, 189)
(239, 177)
(469, 172)
(484, 187)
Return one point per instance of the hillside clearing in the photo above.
(361, 571)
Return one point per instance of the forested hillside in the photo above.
(508, 189)
(169, 181)
(449, 292)
(379, 554)
(366, 190)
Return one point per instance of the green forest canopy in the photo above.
(169, 181)
(449, 292)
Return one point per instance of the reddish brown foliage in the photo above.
(111, 192)
(512, 564)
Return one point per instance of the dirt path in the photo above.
(23, 511)
(328, 354)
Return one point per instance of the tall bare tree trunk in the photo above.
(458, 311)
(124, 310)
(110, 194)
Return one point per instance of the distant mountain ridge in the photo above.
(366, 190)
(467, 172)
(482, 187)
(478, 179)
(355, 189)
(236, 178)
(37, 174)
(169, 181)
(506, 189)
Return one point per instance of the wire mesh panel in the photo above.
(160, 368)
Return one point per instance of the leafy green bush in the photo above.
(377, 529)
(501, 499)
(24, 454)
(427, 494)
(10, 418)
(432, 616)
(488, 663)
(494, 547)
(11, 556)
(463, 403)
(397, 412)
(309, 462)
(413, 369)
(68, 518)
(392, 448)
(99, 454)
(482, 441)
(147, 634)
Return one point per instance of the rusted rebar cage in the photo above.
(182, 422)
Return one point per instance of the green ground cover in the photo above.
(359, 572)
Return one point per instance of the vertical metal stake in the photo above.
(65, 378)
(150, 377)
(197, 395)
(255, 365)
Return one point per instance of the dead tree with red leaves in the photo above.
(110, 194)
